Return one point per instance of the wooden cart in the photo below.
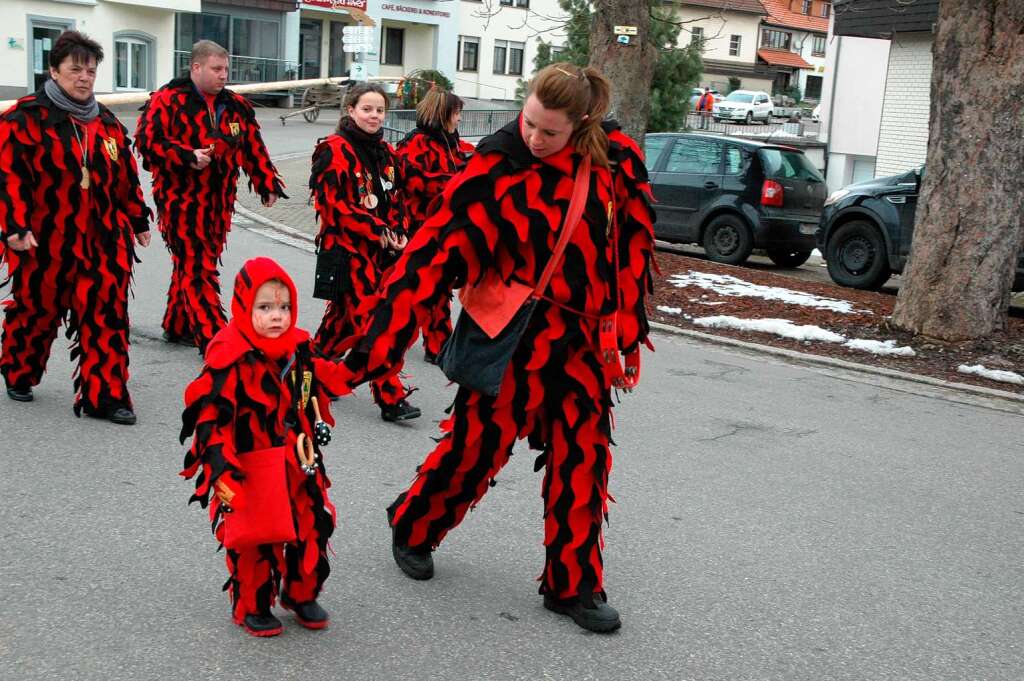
(316, 97)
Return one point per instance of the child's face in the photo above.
(272, 309)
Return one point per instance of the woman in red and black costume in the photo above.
(357, 187)
(433, 154)
(71, 214)
(195, 136)
(256, 392)
(501, 217)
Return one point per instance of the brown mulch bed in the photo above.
(1003, 351)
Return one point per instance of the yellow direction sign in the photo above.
(625, 30)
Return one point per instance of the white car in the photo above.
(744, 105)
(816, 114)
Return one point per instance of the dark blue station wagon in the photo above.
(733, 195)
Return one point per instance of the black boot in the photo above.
(594, 615)
(187, 341)
(262, 625)
(20, 393)
(115, 412)
(416, 563)
(403, 411)
(308, 614)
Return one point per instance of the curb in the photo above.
(807, 358)
(292, 235)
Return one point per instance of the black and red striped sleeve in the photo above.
(129, 189)
(209, 418)
(456, 245)
(154, 134)
(635, 219)
(263, 176)
(19, 132)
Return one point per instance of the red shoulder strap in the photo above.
(572, 218)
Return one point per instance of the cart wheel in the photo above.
(310, 105)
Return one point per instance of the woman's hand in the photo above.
(391, 241)
(22, 243)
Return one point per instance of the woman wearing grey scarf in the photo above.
(73, 215)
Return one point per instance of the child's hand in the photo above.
(229, 497)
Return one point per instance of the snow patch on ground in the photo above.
(880, 347)
(993, 374)
(669, 310)
(727, 285)
(804, 332)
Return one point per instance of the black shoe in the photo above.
(601, 618)
(417, 563)
(403, 411)
(120, 414)
(180, 340)
(263, 625)
(20, 394)
(429, 357)
(308, 614)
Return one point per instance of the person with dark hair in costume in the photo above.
(195, 136)
(433, 154)
(499, 223)
(262, 393)
(357, 183)
(71, 215)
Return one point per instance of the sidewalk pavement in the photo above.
(296, 211)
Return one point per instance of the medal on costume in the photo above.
(367, 197)
(84, 149)
(370, 201)
(110, 144)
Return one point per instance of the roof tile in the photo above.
(780, 14)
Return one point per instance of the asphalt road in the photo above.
(773, 521)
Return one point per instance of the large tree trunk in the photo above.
(970, 224)
(630, 68)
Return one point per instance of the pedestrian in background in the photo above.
(433, 154)
(498, 225)
(71, 213)
(705, 107)
(255, 413)
(357, 183)
(194, 136)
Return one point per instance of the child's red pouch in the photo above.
(264, 515)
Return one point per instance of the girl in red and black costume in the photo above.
(501, 218)
(433, 154)
(357, 186)
(261, 387)
(195, 136)
(71, 213)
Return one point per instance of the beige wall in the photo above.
(99, 22)
(718, 28)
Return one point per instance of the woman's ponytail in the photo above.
(590, 137)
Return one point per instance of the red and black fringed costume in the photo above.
(84, 214)
(195, 206)
(504, 214)
(357, 183)
(432, 157)
(252, 395)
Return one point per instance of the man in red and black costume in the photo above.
(195, 136)
(71, 213)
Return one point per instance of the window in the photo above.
(469, 53)
(132, 65)
(694, 155)
(508, 58)
(515, 58)
(818, 50)
(653, 147)
(807, 7)
(500, 54)
(779, 40)
(697, 37)
(788, 165)
(825, 9)
(336, 59)
(516, 3)
(734, 161)
(394, 46)
(734, 45)
(813, 88)
(556, 52)
(205, 26)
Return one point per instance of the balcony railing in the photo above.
(247, 69)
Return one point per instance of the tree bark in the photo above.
(630, 68)
(970, 224)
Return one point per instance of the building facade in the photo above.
(727, 32)
(794, 44)
(138, 39)
(878, 93)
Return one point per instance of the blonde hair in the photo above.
(437, 108)
(584, 94)
(207, 48)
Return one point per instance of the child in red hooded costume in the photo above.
(260, 390)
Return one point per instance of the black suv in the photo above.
(866, 230)
(732, 195)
